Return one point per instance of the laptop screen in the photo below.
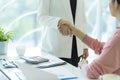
(11, 75)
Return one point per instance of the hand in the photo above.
(63, 22)
(82, 62)
(85, 53)
(65, 27)
(65, 30)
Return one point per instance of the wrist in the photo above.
(74, 30)
(78, 33)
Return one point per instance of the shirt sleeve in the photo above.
(107, 62)
(94, 44)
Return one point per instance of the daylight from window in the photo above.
(21, 17)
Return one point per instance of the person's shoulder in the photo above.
(116, 37)
(117, 31)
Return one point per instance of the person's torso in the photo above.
(56, 43)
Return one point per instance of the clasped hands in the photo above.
(65, 27)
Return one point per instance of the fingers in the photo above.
(64, 30)
(81, 63)
(85, 53)
(65, 27)
(85, 56)
(63, 22)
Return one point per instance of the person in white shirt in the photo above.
(54, 13)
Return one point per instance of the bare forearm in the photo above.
(66, 28)
(81, 35)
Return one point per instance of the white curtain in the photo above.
(101, 24)
(97, 28)
(104, 24)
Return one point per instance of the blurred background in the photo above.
(21, 17)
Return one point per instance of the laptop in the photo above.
(4, 76)
(32, 73)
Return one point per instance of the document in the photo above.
(62, 73)
(32, 73)
(66, 75)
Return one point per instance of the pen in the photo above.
(52, 65)
(69, 78)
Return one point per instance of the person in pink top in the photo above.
(109, 52)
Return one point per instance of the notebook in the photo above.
(32, 73)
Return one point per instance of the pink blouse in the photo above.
(109, 56)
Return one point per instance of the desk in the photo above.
(58, 70)
(68, 67)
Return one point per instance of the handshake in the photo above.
(65, 27)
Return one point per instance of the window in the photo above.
(20, 16)
(101, 24)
